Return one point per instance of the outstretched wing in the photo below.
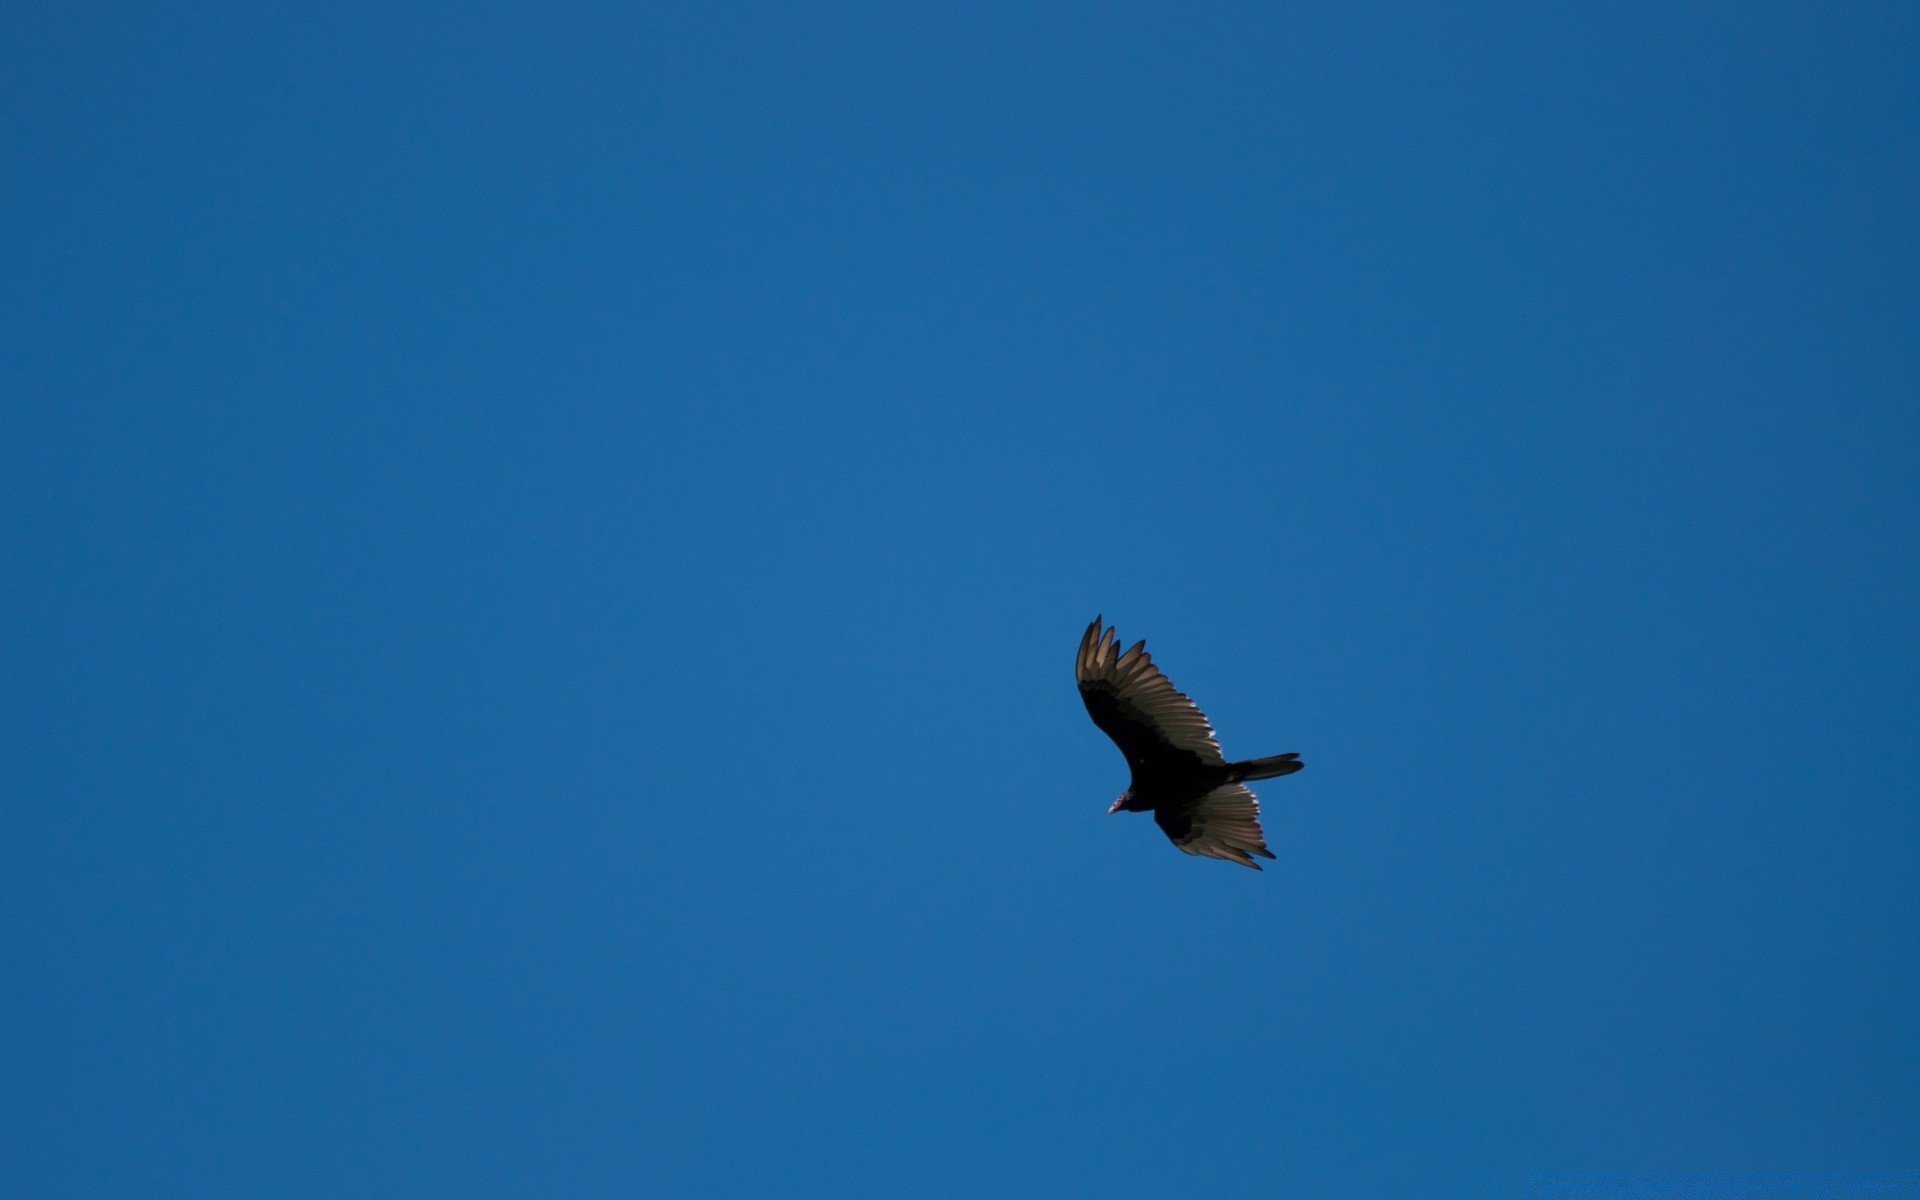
(1129, 699)
(1224, 823)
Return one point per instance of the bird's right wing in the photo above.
(1224, 823)
(1136, 706)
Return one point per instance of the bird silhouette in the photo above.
(1179, 775)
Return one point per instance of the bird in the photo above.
(1198, 798)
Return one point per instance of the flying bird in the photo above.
(1179, 775)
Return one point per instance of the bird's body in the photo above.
(1179, 774)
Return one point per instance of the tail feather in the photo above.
(1264, 768)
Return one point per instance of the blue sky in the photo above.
(544, 549)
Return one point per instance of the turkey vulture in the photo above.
(1179, 775)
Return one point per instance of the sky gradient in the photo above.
(544, 549)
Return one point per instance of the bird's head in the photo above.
(1121, 801)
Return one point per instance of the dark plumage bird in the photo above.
(1179, 774)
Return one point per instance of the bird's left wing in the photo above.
(1224, 823)
(1137, 706)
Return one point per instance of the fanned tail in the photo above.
(1264, 768)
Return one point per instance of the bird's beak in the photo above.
(1116, 806)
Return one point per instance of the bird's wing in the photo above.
(1224, 823)
(1128, 698)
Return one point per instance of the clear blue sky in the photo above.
(543, 550)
